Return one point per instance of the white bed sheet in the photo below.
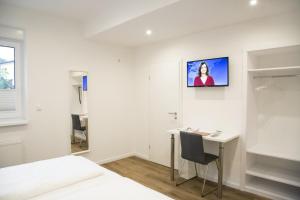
(106, 187)
(29, 180)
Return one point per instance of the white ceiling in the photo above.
(87, 10)
(125, 21)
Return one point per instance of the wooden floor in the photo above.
(77, 148)
(157, 177)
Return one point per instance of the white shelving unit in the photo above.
(268, 150)
(272, 189)
(272, 123)
(281, 175)
(275, 72)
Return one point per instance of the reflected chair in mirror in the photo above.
(192, 150)
(78, 131)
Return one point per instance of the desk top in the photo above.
(222, 137)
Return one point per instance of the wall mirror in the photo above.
(79, 134)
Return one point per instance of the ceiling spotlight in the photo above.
(253, 2)
(148, 32)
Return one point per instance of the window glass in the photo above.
(7, 68)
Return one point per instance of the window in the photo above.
(7, 68)
(12, 82)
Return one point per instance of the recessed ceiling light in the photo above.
(149, 32)
(253, 2)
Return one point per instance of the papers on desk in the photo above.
(195, 131)
(203, 133)
(216, 136)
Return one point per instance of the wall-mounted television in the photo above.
(84, 83)
(211, 72)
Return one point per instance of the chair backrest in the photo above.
(192, 147)
(76, 124)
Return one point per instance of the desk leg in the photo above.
(87, 132)
(172, 157)
(220, 174)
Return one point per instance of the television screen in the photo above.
(208, 73)
(84, 83)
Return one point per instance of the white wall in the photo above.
(53, 47)
(213, 108)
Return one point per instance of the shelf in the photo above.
(275, 51)
(272, 189)
(272, 157)
(275, 174)
(276, 72)
(271, 151)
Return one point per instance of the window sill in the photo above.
(14, 122)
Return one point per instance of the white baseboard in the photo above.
(126, 155)
(143, 156)
(111, 159)
(225, 182)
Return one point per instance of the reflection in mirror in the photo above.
(79, 112)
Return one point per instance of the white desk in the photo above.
(221, 139)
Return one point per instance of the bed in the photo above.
(69, 178)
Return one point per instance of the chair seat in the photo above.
(209, 158)
(80, 135)
(81, 129)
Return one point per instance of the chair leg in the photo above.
(204, 181)
(81, 140)
(196, 169)
(177, 184)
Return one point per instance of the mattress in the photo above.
(69, 178)
(105, 187)
(29, 180)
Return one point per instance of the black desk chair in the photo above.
(76, 125)
(192, 149)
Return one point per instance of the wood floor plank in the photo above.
(157, 177)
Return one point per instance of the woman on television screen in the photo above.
(203, 78)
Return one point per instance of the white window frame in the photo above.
(15, 38)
